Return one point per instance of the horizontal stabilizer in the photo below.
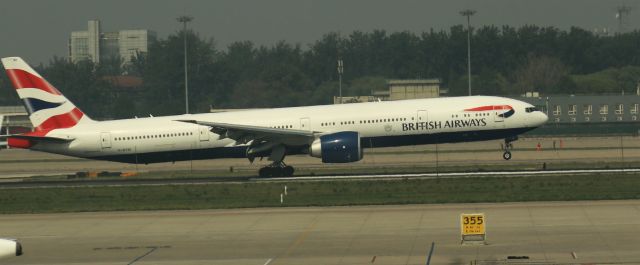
(42, 138)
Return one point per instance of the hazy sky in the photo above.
(38, 30)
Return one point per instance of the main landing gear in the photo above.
(507, 147)
(276, 169)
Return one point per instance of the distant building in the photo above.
(588, 108)
(354, 99)
(125, 83)
(95, 45)
(411, 89)
(14, 119)
(399, 90)
(601, 32)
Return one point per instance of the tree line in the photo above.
(505, 61)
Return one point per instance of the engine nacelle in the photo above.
(340, 147)
(9, 248)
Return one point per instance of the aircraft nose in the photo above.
(543, 118)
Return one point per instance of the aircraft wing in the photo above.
(246, 133)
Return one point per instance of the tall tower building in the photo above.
(95, 45)
(93, 40)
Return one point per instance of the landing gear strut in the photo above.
(276, 169)
(508, 146)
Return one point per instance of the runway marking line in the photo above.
(415, 238)
(144, 255)
(455, 174)
(300, 238)
(353, 238)
(129, 247)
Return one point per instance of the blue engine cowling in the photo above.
(340, 147)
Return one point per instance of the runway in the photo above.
(118, 182)
(592, 232)
(581, 151)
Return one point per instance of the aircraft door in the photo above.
(105, 140)
(305, 124)
(421, 120)
(203, 133)
(498, 118)
(421, 116)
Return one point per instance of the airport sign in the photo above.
(472, 224)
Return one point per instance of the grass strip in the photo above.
(321, 193)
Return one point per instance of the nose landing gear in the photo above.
(506, 155)
(507, 147)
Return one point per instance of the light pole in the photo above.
(622, 12)
(468, 13)
(340, 71)
(184, 20)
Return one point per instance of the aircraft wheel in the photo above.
(264, 172)
(506, 155)
(276, 172)
(288, 171)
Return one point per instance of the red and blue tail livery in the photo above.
(48, 109)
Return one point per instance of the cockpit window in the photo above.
(531, 109)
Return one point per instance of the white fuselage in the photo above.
(390, 123)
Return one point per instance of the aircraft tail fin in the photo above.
(48, 109)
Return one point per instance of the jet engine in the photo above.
(9, 248)
(340, 147)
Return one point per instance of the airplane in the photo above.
(333, 133)
(10, 248)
